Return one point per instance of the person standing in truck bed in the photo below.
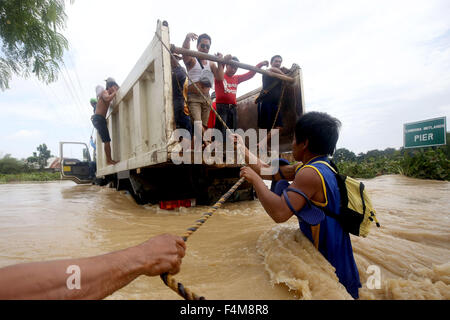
(226, 84)
(269, 100)
(104, 98)
(201, 75)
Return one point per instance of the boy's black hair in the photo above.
(203, 36)
(111, 84)
(275, 56)
(321, 130)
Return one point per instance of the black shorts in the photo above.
(99, 123)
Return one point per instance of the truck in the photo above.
(141, 124)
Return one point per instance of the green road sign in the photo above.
(425, 133)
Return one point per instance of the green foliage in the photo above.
(12, 165)
(423, 163)
(426, 164)
(41, 158)
(13, 170)
(30, 39)
(32, 176)
(343, 154)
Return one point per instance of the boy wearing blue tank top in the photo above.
(314, 186)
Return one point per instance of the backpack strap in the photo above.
(201, 65)
(327, 164)
(327, 212)
(288, 201)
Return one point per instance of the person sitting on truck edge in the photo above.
(104, 98)
(99, 276)
(315, 138)
(226, 84)
(201, 74)
(269, 99)
(182, 120)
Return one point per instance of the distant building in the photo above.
(53, 163)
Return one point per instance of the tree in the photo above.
(10, 165)
(33, 159)
(343, 154)
(41, 157)
(30, 39)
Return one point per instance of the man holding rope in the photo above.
(315, 139)
(99, 276)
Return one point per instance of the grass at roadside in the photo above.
(33, 176)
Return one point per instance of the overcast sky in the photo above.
(374, 65)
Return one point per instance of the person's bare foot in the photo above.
(111, 162)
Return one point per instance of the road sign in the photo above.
(426, 133)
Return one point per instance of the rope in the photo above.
(279, 106)
(167, 278)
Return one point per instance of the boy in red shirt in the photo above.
(226, 87)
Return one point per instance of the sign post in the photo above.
(426, 133)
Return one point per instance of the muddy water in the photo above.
(239, 253)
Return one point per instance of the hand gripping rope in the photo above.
(167, 278)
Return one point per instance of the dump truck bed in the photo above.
(141, 120)
(141, 125)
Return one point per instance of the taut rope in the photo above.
(167, 278)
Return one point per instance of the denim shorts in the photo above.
(99, 123)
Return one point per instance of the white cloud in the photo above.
(25, 134)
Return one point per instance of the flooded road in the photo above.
(240, 253)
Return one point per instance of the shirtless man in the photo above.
(104, 98)
(198, 107)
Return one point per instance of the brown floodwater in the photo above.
(240, 253)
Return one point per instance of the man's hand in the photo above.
(228, 57)
(191, 36)
(219, 55)
(249, 175)
(262, 64)
(285, 70)
(161, 254)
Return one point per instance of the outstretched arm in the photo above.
(220, 73)
(251, 73)
(257, 165)
(217, 70)
(188, 60)
(307, 180)
(99, 276)
(275, 70)
(274, 205)
(108, 97)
